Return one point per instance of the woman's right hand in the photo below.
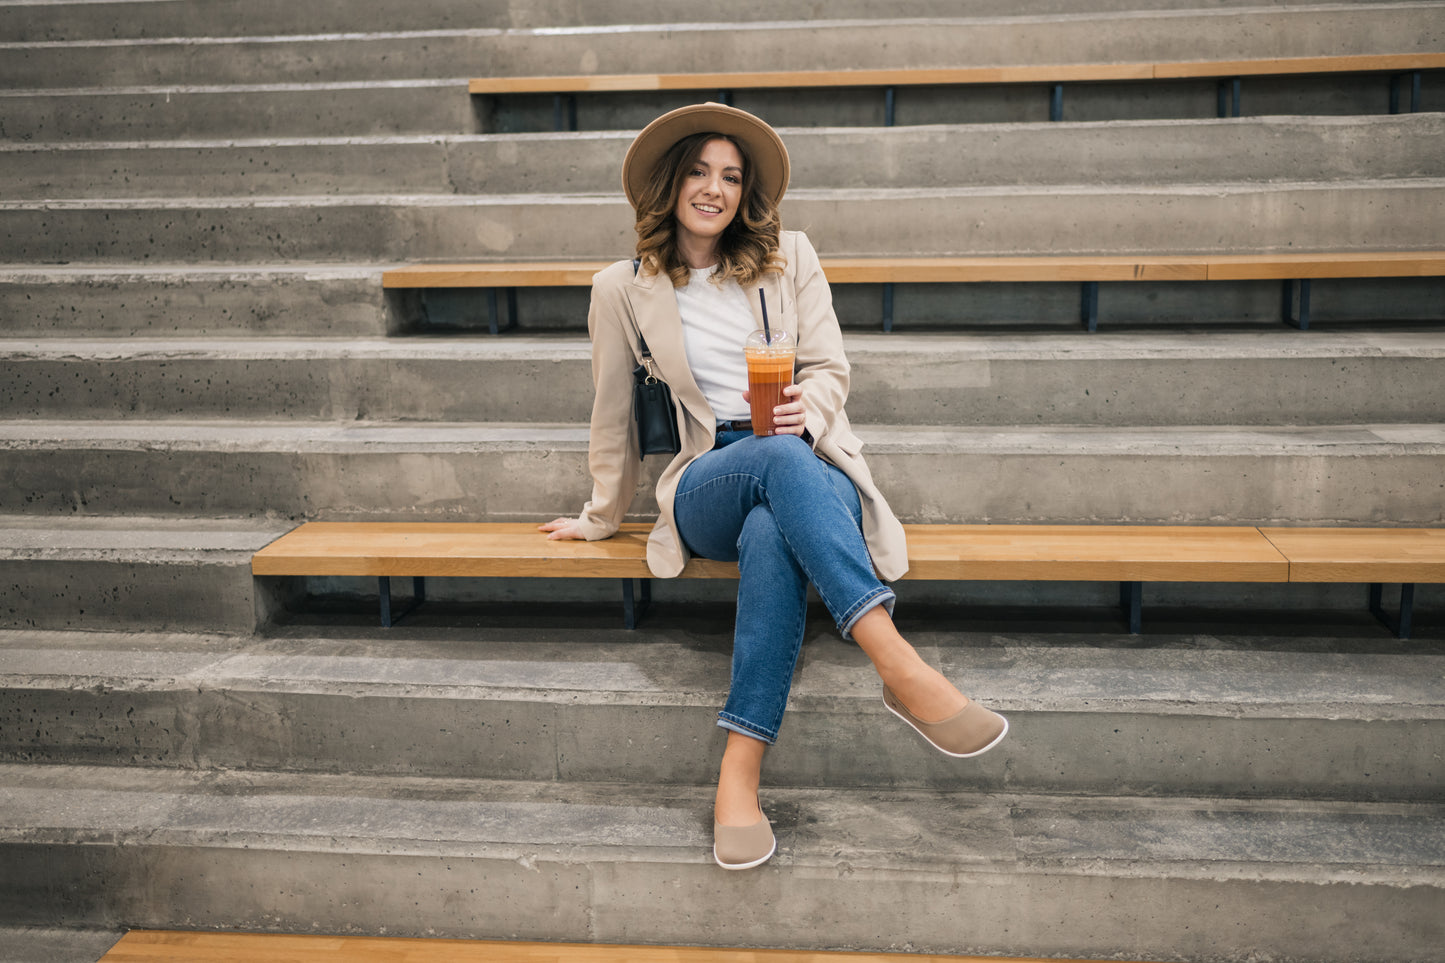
(560, 528)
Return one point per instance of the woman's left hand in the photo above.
(788, 418)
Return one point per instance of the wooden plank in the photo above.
(461, 549)
(880, 77)
(913, 270)
(1333, 264)
(1273, 66)
(515, 274)
(950, 76)
(904, 270)
(1361, 554)
(155, 946)
(1093, 553)
(965, 552)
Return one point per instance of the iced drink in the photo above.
(770, 370)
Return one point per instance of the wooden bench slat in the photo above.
(961, 552)
(1341, 63)
(1123, 553)
(905, 270)
(1362, 554)
(954, 76)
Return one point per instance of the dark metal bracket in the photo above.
(887, 306)
(1056, 103)
(1399, 624)
(564, 112)
(384, 590)
(1398, 81)
(1089, 306)
(1131, 601)
(493, 316)
(634, 610)
(1297, 303)
(1229, 96)
(889, 106)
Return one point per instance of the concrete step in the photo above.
(321, 300)
(173, 574)
(113, 19)
(1128, 152)
(188, 300)
(1361, 473)
(1205, 218)
(1112, 876)
(1126, 36)
(1132, 379)
(1336, 710)
(34, 944)
(437, 107)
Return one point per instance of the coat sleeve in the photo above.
(612, 446)
(822, 367)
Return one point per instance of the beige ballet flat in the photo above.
(743, 847)
(971, 731)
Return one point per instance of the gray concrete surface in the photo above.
(924, 872)
(1150, 152)
(1361, 474)
(1222, 218)
(1187, 710)
(23, 944)
(1130, 379)
(107, 19)
(1125, 36)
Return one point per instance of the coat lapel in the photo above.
(654, 305)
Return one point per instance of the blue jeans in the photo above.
(788, 518)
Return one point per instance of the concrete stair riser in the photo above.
(243, 18)
(379, 716)
(816, 45)
(1132, 379)
(1216, 218)
(195, 301)
(409, 107)
(599, 866)
(189, 302)
(1368, 475)
(1162, 152)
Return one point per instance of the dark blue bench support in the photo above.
(1399, 624)
(1398, 81)
(384, 590)
(1131, 601)
(633, 609)
(1297, 303)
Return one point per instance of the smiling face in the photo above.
(712, 188)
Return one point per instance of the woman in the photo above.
(795, 507)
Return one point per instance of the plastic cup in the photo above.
(770, 370)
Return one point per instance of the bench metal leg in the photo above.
(725, 97)
(887, 306)
(1399, 624)
(1229, 91)
(1297, 303)
(1089, 306)
(494, 325)
(564, 112)
(1056, 103)
(1396, 82)
(384, 590)
(633, 611)
(1131, 600)
(889, 106)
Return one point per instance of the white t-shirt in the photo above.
(716, 320)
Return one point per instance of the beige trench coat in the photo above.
(799, 300)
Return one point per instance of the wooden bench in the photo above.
(1404, 69)
(1130, 555)
(1296, 270)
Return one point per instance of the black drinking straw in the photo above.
(763, 300)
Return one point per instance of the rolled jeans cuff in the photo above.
(734, 724)
(883, 595)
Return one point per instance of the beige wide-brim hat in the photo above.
(769, 156)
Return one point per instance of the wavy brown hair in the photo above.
(747, 248)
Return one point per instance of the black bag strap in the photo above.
(641, 341)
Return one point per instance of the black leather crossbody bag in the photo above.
(652, 406)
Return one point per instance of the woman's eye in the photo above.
(734, 179)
